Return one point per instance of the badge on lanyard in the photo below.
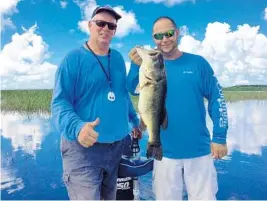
(111, 95)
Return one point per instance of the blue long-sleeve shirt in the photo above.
(80, 95)
(190, 78)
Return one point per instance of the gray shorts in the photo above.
(91, 173)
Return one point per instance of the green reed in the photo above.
(39, 100)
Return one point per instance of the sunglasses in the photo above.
(102, 24)
(168, 34)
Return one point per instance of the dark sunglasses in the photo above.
(168, 34)
(102, 24)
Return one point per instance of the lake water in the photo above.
(31, 165)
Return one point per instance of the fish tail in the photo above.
(155, 151)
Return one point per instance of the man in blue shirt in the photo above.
(91, 108)
(188, 149)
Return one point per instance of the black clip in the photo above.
(135, 146)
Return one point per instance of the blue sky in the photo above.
(36, 35)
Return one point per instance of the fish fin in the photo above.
(155, 151)
(146, 83)
(164, 118)
(142, 125)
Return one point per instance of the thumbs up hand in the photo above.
(88, 136)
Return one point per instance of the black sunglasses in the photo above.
(102, 24)
(168, 34)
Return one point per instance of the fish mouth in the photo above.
(152, 54)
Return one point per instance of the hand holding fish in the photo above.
(135, 57)
(88, 136)
(218, 150)
(137, 133)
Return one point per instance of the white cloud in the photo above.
(7, 8)
(6, 22)
(23, 62)
(83, 26)
(165, 2)
(87, 7)
(265, 14)
(147, 47)
(236, 56)
(63, 4)
(184, 30)
(128, 23)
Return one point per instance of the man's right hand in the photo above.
(134, 56)
(88, 136)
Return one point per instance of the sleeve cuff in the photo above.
(219, 140)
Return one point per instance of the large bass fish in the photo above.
(151, 104)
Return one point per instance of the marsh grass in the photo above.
(232, 96)
(36, 101)
(26, 100)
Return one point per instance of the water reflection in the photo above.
(26, 132)
(31, 165)
(247, 126)
(30, 159)
(9, 182)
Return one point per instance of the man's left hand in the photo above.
(137, 133)
(218, 150)
(134, 56)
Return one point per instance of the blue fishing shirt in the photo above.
(190, 79)
(80, 95)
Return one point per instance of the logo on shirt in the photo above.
(187, 72)
(222, 107)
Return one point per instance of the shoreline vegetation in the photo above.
(38, 101)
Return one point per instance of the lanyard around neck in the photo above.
(101, 65)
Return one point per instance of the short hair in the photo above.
(165, 17)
